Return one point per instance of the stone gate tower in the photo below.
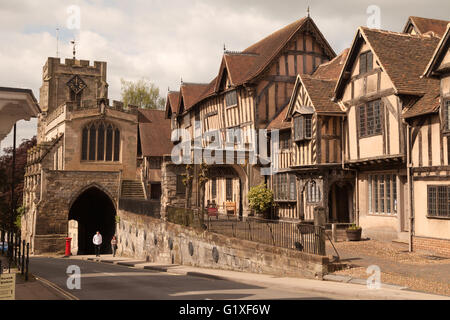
(86, 148)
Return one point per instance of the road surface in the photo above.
(109, 282)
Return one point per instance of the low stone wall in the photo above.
(154, 240)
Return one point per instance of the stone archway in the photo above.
(94, 211)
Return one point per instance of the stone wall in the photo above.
(155, 240)
(60, 190)
(169, 197)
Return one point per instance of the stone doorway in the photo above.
(94, 211)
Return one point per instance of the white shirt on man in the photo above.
(97, 239)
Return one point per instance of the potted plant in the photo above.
(354, 233)
(260, 199)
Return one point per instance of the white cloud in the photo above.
(165, 40)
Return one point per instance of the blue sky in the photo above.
(163, 41)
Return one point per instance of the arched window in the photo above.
(100, 142)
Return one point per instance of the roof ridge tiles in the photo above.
(228, 52)
(195, 83)
(428, 35)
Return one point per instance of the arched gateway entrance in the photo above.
(94, 211)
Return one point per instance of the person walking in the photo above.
(114, 245)
(97, 243)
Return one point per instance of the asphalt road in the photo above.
(101, 281)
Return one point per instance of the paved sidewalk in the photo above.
(417, 271)
(346, 290)
(33, 289)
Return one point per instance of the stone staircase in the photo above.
(132, 189)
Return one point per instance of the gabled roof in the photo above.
(320, 88)
(172, 102)
(190, 94)
(246, 66)
(237, 66)
(402, 56)
(424, 25)
(154, 133)
(268, 48)
(332, 69)
(439, 53)
(321, 92)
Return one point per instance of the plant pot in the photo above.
(354, 235)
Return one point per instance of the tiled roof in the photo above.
(438, 55)
(154, 131)
(424, 25)
(245, 66)
(332, 69)
(191, 92)
(173, 99)
(239, 66)
(278, 122)
(429, 103)
(403, 57)
(321, 92)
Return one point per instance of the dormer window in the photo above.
(365, 62)
(231, 99)
(303, 127)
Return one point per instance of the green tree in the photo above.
(260, 198)
(5, 182)
(142, 94)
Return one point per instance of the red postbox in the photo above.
(68, 242)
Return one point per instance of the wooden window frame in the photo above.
(302, 127)
(214, 188)
(363, 57)
(446, 115)
(313, 194)
(285, 140)
(438, 200)
(285, 187)
(228, 94)
(367, 115)
(382, 194)
(229, 189)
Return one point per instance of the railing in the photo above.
(17, 251)
(291, 235)
(297, 236)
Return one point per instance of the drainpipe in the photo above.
(408, 168)
(356, 202)
(342, 143)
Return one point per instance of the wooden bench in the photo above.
(230, 206)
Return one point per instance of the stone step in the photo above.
(132, 189)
